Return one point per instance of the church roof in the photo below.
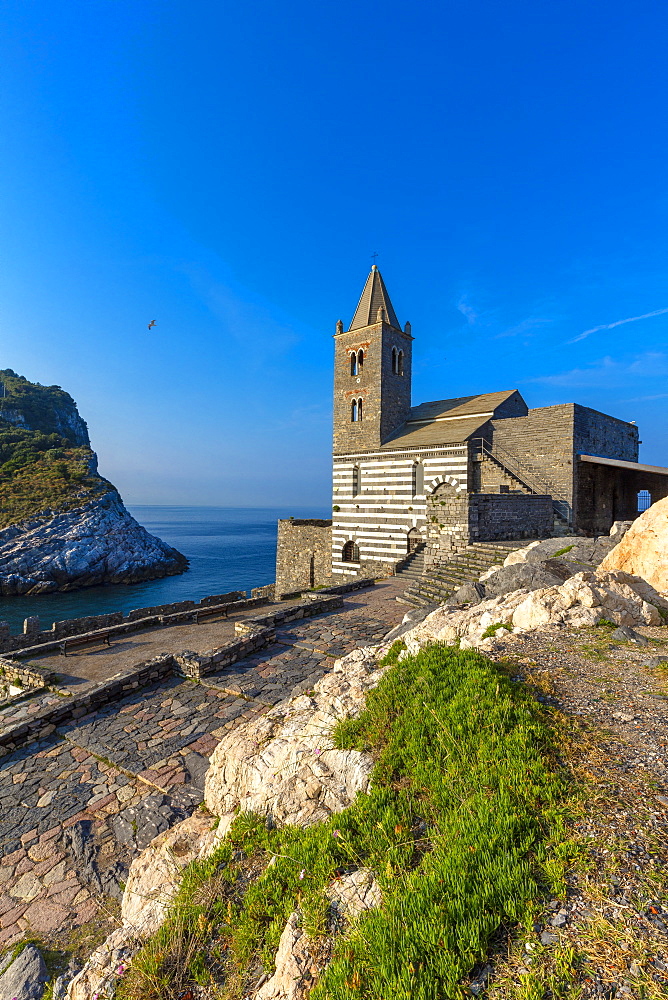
(373, 298)
(447, 421)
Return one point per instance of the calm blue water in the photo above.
(230, 548)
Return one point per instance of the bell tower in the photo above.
(372, 372)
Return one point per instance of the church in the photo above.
(450, 472)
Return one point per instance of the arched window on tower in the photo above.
(356, 480)
(353, 411)
(360, 361)
(359, 409)
(353, 364)
(400, 363)
(644, 500)
(351, 553)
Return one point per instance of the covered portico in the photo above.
(607, 490)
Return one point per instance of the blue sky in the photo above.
(228, 169)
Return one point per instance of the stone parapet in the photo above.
(161, 613)
(51, 645)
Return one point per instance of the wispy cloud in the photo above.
(469, 312)
(608, 372)
(527, 326)
(645, 399)
(618, 322)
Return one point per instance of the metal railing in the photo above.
(526, 475)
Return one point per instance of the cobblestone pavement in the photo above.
(97, 660)
(60, 799)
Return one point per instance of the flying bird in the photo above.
(151, 324)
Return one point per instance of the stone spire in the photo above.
(374, 305)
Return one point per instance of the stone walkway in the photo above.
(75, 808)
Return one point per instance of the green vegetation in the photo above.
(40, 468)
(456, 829)
(491, 630)
(562, 552)
(41, 407)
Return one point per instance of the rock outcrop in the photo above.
(24, 978)
(97, 542)
(299, 959)
(283, 765)
(541, 564)
(63, 526)
(584, 599)
(643, 550)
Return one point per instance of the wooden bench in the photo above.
(214, 609)
(81, 640)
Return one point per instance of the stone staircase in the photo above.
(413, 567)
(438, 583)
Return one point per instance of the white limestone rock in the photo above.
(295, 964)
(298, 963)
(97, 542)
(283, 765)
(643, 551)
(155, 874)
(100, 974)
(355, 893)
(583, 599)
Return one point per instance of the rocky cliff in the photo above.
(63, 526)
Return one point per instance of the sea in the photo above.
(229, 548)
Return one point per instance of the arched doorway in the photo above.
(413, 539)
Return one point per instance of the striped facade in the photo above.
(376, 504)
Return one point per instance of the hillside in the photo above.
(62, 525)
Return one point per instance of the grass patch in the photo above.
(491, 630)
(562, 552)
(455, 828)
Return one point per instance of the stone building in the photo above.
(453, 471)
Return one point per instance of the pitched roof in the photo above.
(373, 298)
(446, 421)
(486, 403)
(433, 433)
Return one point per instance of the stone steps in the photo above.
(437, 584)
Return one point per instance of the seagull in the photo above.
(151, 324)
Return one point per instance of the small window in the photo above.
(360, 361)
(351, 553)
(359, 409)
(353, 411)
(356, 480)
(353, 364)
(400, 363)
(394, 361)
(311, 572)
(418, 479)
(644, 500)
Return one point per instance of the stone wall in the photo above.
(501, 516)
(447, 530)
(33, 635)
(542, 442)
(303, 555)
(596, 433)
(547, 442)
